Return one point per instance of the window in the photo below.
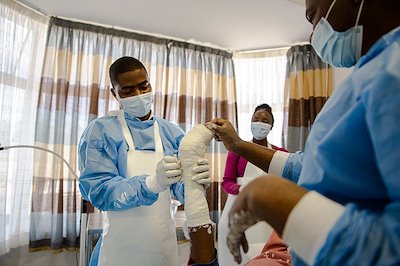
(260, 78)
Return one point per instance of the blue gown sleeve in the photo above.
(100, 182)
(293, 166)
(362, 236)
(178, 191)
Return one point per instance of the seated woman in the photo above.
(238, 172)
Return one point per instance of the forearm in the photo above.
(256, 154)
(284, 195)
(230, 186)
(112, 193)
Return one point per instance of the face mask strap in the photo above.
(329, 10)
(117, 94)
(358, 15)
(359, 11)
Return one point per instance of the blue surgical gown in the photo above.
(103, 156)
(352, 156)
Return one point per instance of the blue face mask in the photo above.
(340, 49)
(139, 105)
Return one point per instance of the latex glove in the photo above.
(167, 173)
(202, 173)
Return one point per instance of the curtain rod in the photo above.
(191, 41)
(269, 49)
(32, 7)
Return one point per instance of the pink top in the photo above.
(274, 253)
(234, 168)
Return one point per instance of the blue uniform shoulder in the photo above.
(169, 126)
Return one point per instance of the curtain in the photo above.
(260, 78)
(75, 89)
(201, 86)
(23, 36)
(308, 86)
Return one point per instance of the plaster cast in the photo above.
(191, 150)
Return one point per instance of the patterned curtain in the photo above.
(200, 87)
(75, 89)
(308, 86)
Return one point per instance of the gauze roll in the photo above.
(192, 148)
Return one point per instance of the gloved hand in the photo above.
(167, 173)
(202, 173)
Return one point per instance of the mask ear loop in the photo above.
(329, 10)
(359, 12)
(117, 94)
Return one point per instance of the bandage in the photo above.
(192, 148)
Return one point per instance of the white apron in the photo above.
(257, 235)
(144, 235)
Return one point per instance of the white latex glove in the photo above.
(167, 173)
(202, 173)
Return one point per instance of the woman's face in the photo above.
(262, 116)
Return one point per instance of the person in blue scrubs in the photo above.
(129, 169)
(338, 202)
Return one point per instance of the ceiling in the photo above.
(233, 25)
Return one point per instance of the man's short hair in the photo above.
(122, 65)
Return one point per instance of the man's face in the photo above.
(132, 83)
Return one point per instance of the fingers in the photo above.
(173, 180)
(173, 173)
(202, 173)
(171, 167)
(201, 169)
(202, 162)
(202, 178)
(244, 244)
(218, 121)
(239, 222)
(170, 159)
(233, 242)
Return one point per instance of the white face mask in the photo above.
(260, 130)
(138, 105)
(340, 49)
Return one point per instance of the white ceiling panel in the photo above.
(230, 24)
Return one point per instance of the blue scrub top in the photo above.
(103, 161)
(352, 156)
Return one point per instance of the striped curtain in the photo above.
(308, 86)
(200, 87)
(75, 89)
